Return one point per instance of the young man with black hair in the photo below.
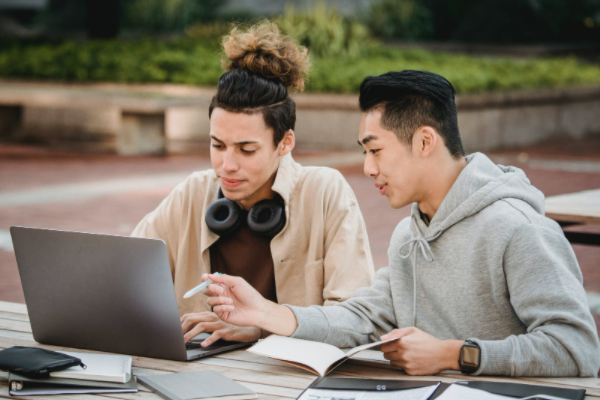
(479, 279)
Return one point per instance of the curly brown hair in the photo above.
(264, 50)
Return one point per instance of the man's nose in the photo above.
(229, 162)
(370, 168)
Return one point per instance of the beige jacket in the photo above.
(321, 256)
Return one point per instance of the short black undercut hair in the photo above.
(410, 99)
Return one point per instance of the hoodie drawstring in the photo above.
(423, 243)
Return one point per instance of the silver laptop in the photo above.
(103, 292)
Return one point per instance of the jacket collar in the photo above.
(287, 178)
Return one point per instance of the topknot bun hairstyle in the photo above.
(262, 64)
(265, 51)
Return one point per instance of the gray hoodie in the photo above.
(489, 267)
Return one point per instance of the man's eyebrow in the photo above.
(238, 143)
(367, 139)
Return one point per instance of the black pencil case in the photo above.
(35, 362)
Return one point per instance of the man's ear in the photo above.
(287, 143)
(426, 139)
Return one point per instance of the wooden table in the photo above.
(272, 380)
(576, 209)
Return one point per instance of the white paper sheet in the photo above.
(422, 393)
(461, 392)
(370, 355)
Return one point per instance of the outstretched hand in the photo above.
(234, 300)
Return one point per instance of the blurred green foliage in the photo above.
(179, 61)
(209, 32)
(196, 61)
(167, 16)
(325, 31)
(468, 74)
(487, 21)
(406, 19)
(342, 50)
(134, 16)
(483, 21)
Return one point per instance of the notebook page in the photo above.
(318, 356)
(366, 346)
(459, 392)
(422, 393)
(370, 355)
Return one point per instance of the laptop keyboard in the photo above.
(192, 345)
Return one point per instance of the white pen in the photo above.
(198, 288)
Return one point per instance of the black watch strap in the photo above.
(470, 357)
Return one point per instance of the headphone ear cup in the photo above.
(266, 218)
(223, 216)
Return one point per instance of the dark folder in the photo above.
(516, 390)
(367, 384)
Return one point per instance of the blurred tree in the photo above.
(570, 20)
(487, 21)
(64, 16)
(406, 19)
(502, 21)
(325, 31)
(102, 19)
(168, 16)
(516, 21)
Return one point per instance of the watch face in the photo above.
(470, 356)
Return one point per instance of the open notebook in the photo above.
(318, 358)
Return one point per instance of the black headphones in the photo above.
(266, 218)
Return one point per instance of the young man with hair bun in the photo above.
(295, 233)
(479, 279)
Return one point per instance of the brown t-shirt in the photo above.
(244, 253)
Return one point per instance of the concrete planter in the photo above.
(486, 121)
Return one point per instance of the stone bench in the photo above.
(140, 117)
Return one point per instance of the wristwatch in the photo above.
(470, 357)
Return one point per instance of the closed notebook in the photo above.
(20, 385)
(192, 385)
(100, 367)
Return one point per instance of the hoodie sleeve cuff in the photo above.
(495, 357)
(312, 324)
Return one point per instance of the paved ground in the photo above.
(110, 194)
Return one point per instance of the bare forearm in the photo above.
(277, 319)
